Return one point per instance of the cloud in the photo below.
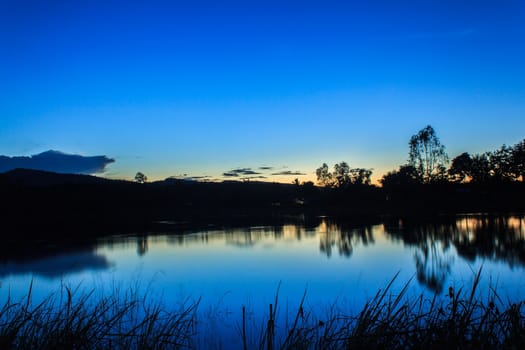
(196, 178)
(239, 172)
(58, 162)
(199, 177)
(248, 173)
(188, 177)
(253, 177)
(289, 172)
(230, 174)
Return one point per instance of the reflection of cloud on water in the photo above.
(55, 266)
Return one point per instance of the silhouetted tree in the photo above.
(427, 155)
(405, 176)
(342, 174)
(480, 168)
(461, 168)
(518, 160)
(141, 178)
(504, 164)
(500, 162)
(360, 176)
(324, 177)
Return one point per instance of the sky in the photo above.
(203, 88)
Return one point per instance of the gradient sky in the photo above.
(203, 87)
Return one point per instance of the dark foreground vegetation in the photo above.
(461, 319)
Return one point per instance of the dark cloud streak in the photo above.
(240, 171)
(289, 172)
(230, 174)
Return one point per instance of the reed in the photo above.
(461, 319)
(82, 320)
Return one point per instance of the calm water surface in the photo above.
(334, 262)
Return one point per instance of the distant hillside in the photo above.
(43, 204)
(40, 203)
(40, 178)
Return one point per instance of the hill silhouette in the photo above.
(41, 178)
(39, 204)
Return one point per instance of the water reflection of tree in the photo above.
(497, 238)
(244, 237)
(433, 256)
(433, 263)
(142, 245)
(344, 236)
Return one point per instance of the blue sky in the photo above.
(203, 87)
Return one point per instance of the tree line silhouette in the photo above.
(427, 164)
(429, 182)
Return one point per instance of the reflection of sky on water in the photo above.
(235, 267)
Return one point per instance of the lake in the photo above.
(337, 263)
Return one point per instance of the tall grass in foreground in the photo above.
(459, 320)
(85, 321)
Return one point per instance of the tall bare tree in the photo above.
(427, 155)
